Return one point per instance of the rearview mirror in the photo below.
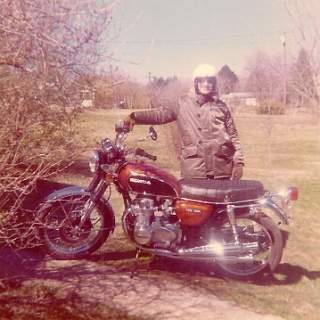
(153, 133)
(121, 126)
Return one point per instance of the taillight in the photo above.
(293, 193)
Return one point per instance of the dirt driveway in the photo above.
(146, 294)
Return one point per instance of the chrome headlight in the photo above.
(94, 161)
(106, 145)
(109, 150)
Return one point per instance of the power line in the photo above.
(201, 40)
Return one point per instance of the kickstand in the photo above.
(134, 271)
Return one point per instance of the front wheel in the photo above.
(61, 231)
(264, 239)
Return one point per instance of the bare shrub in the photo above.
(46, 46)
(270, 107)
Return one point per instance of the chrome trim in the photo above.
(281, 213)
(86, 211)
(252, 202)
(242, 259)
(225, 202)
(233, 222)
(94, 161)
(199, 253)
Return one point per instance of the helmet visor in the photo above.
(211, 80)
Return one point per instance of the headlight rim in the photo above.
(94, 161)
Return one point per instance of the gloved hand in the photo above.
(237, 171)
(129, 122)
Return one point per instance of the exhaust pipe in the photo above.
(231, 259)
(218, 250)
(231, 253)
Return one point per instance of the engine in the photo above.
(155, 224)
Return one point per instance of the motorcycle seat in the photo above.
(220, 190)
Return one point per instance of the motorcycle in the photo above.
(218, 221)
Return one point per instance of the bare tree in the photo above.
(46, 46)
(305, 18)
(263, 77)
(304, 90)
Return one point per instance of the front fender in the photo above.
(66, 192)
(73, 191)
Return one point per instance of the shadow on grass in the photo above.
(27, 264)
(22, 304)
(15, 265)
(79, 167)
(41, 300)
(285, 274)
(113, 256)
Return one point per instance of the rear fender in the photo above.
(280, 212)
(73, 191)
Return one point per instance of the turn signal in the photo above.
(109, 177)
(293, 193)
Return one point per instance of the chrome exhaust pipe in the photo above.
(231, 259)
(230, 253)
(219, 250)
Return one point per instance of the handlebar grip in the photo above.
(142, 153)
(151, 157)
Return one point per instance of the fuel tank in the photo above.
(147, 179)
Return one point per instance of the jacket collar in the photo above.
(200, 99)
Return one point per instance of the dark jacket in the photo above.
(209, 139)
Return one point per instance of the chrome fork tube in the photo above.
(91, 203)
(86, 211)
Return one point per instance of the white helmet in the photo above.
(204, 70)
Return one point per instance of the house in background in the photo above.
(87, 97)
(236, 99)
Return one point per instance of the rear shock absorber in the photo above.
(233, 223)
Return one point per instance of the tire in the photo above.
(61, 234)
(270, 242)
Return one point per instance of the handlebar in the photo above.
(122, 128)
(142, 153)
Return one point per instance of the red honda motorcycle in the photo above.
(218, 221)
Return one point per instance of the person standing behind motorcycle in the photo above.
(210, 147)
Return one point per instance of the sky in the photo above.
(171, 37)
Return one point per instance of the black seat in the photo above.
(220, 190)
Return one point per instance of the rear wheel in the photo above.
(61, 231)
(262, 245)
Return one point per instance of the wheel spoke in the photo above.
(61, 228)
(250, 232)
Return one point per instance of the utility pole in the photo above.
(284, 45)
(150, 89)
(149, 77)
(111, 85)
